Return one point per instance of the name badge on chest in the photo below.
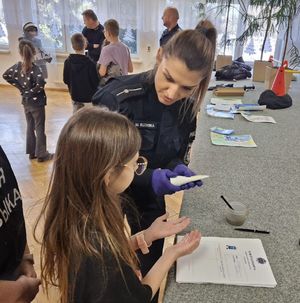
(148, 125)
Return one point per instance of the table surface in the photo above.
(267, 180)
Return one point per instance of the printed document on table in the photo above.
(241, 262)
(232, 140)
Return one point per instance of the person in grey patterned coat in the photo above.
(27, 77)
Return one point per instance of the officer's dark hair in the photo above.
(196, 48)
(112, 27)
(78, 42)
(89, 13)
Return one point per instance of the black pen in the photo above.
(253, 230)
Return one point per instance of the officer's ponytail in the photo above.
(196, 48)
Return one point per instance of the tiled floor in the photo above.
(32, 176)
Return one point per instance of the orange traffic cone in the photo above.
(278, 86)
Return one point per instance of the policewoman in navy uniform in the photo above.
(163, 104)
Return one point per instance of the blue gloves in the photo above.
(161, 180)
(182, 170)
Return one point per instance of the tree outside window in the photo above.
(253, 46)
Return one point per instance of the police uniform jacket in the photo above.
(167, 35)
(166, 135)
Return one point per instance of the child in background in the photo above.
(86, 249)
(115, 53)
(30, 32)
(80, 74)
(28, 78)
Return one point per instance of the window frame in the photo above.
(4, 47)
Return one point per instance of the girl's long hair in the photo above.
(196, 48)
(82, 216)
(27, 52)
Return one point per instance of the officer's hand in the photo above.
(183, 170)
(161, 182)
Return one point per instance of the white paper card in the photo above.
(261, 119)
(241, 262)
(223, 107)
(225, 101)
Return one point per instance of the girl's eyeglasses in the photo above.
(141, 165)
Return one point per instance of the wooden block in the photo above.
(229, 91)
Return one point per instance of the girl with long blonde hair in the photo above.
(86, 250)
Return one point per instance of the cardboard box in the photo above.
(223, 61)
(229, 91)
(259, 70)
(270, 76)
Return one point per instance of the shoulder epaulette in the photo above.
(128, 90)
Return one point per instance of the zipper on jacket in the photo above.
(126, 91)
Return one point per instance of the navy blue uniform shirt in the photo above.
(167, 35)
(166, 136)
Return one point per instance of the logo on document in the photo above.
(231, 247)
(261, 260)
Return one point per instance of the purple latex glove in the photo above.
(161, 182)
(182, 170)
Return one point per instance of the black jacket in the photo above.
(81, 76)
(94, 36)
(12, 225)
(30, 85)
(166, 137)
(167, 35)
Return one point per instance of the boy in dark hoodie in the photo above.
(80, 73)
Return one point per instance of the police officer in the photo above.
(163, 104)
(170, 18)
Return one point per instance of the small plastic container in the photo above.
(238, 215)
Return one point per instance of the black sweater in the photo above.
(91, 287)
(81, 76)
(94, 36)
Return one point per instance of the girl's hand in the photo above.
(162, 228)
(186, 246)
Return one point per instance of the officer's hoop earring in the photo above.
(141, 165)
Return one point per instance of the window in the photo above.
(218, 18)
(58, 20)
(49, 15)
(128, 24)
(3, 29)
(253, 47)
